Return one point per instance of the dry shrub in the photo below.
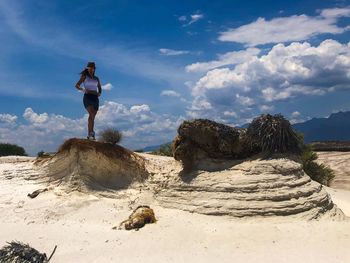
(110, 135)
(20, 252)
(318, 172)
(274, 134)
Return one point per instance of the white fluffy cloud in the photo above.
(43, 131)
(170, 93)
(139, 124)
(140, 108)
(174, 94)
(230, 114)
(266, 108)
(8, 118)
(296, 68)
(182, 18)
(230, 58)
(172, 52)
(335, 12)
(295, 114)
(187, 21)
(107, 86)
(296, 117)
(195, 18)
(287, 29)
(218, 79)
(35, 118)
(285, 72)
(245, 101)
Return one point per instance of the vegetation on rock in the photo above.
(110, 135)
(43, 154)
(200, 139)
(318, 172)
(274, 134)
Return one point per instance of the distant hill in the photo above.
(154, 147)
(331, 146)
(334, 128)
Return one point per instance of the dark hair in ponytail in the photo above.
(85, 72)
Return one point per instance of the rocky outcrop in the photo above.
(258, 188)
(200, 138)
(83, 165)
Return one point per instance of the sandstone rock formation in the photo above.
(200, 139)
(257, 188)
(83, 164)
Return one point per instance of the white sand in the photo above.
(80, 224)
(339, 163)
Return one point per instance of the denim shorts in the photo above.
(91, 100)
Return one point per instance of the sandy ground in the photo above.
(339, 163)
(81, 227)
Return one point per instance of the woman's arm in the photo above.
(81, 80)
(99, 87)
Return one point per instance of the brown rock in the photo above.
(199, 139)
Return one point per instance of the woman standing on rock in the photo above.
(92, 90)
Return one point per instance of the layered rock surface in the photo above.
(238, 188)
(258, 188)
(83, 165)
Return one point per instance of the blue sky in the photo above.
(161, 62)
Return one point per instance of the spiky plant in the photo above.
(110, 135)
(22, 253)
(274, 134)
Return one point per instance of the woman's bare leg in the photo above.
(91, 120)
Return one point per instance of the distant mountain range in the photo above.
(151, 148)
(334, 128)
(154, 147)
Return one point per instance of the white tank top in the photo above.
(90, 84)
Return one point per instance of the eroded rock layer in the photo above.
(264, 188)
(82, 164)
